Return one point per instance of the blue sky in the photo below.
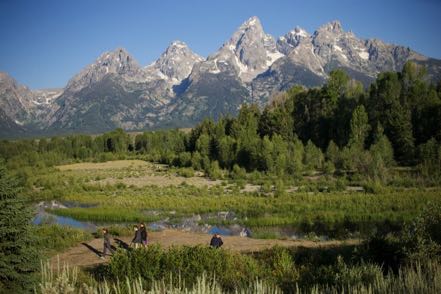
(44, 43)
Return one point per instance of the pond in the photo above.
(43, 217)
(48, 218)
(196, 223)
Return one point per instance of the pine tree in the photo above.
(18, 259)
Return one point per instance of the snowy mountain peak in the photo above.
(118, 61)
(175, 63)
(248, 52)
(298, 31)
(291, 40)
(333, 26)
(117, 56)
(252, 21)
(177, 48)
(178, 44)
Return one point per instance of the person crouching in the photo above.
(216, 241)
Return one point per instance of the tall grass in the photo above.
(106, 214)
(52, 238)
(417, 278)
(65, 280)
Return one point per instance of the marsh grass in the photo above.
(334, 213)
(106, 214)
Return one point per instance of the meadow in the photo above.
(334, 213)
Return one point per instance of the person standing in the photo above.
(216, 241)
(137, 240)
(107, 245)
(144, 235)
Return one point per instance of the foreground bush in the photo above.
(232, 270)
(420, 240)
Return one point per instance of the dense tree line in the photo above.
(340, 126)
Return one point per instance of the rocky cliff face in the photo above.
(181, 88)
(17, 101)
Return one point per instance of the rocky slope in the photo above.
(17, 101)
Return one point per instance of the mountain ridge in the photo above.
(181, 88)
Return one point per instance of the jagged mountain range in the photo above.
(181, 87)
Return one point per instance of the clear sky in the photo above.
(44, 43)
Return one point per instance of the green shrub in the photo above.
(422, 237)
(266, 233)
(281, 267)
(56, 238)
(232, 270)
(186, 172)
(214, 171)
(329, 168)
(266, 187)
(238, 172)
(374, 187)
(279, 188)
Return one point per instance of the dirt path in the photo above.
(86, 254)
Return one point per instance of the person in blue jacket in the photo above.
(216, 241)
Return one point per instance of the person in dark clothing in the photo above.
(107, 246)
(216, 241)
(144, 235)
(137, 240)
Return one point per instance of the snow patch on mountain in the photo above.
(363, 55)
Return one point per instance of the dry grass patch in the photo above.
(136, 173)
(117, 164)
(160, 181)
